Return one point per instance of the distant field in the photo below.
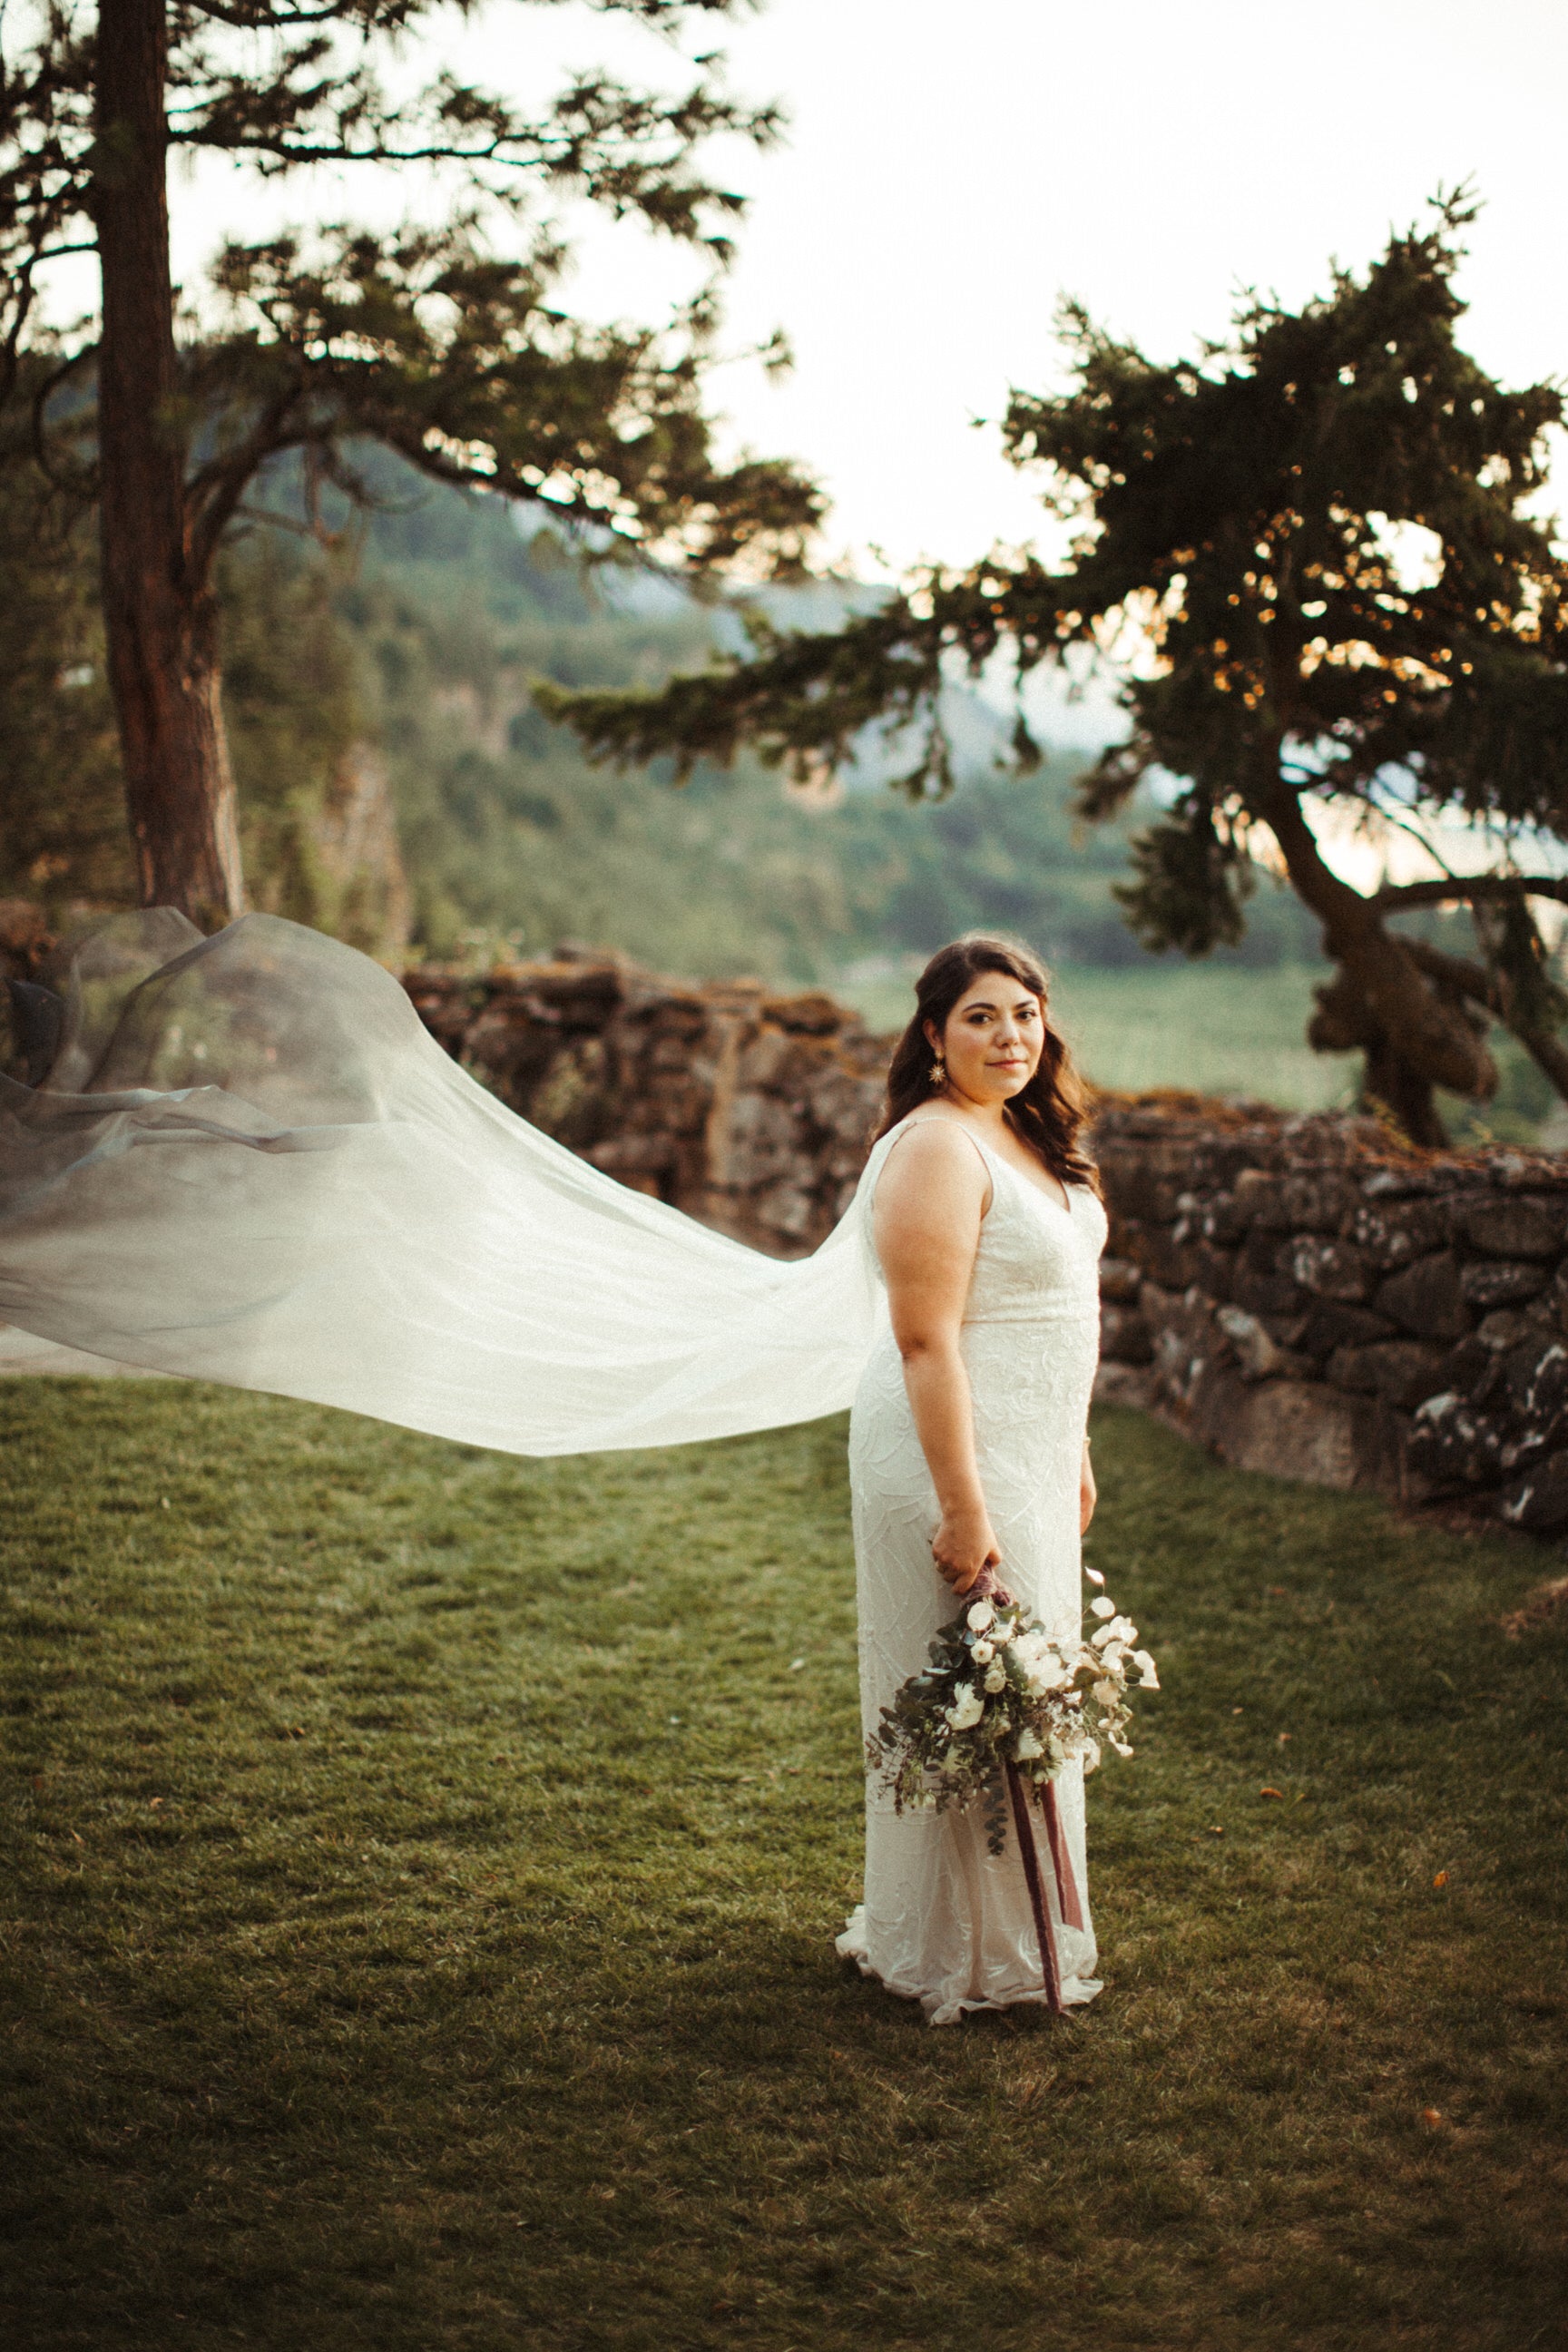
(1219, 1031)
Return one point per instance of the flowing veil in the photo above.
(247, 1160)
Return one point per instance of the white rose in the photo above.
(996, 1675)
(982, 1653)
(967, 1707)
(980, 1617)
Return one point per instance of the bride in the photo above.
(969, 1461)
(243, 1159)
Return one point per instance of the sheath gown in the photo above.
(945, 1922)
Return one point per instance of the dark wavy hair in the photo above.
(1048, 1114)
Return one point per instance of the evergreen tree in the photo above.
(444, 342)
(1323, 534)
(62, 809)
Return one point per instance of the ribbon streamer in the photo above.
(1026, 1847)
(987, 1586)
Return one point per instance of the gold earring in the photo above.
(939, 1072)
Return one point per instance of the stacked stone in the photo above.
(1304, 1296)
(747, 1106)
(1308, 1299)
(25, 940)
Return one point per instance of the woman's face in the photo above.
(993, 1040)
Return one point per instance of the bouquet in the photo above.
(992, 1718)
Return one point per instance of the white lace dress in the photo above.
(945, 1922)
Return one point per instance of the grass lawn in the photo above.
(424, 1868)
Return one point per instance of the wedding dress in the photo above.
(943, 1921)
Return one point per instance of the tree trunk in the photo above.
(1486, 988)
(160, 622)
(1344, 1022)
(1388, 1078)
(1419, 1035)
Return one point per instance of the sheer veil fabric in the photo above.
(249, 1161)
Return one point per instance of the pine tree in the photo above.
(444, 342)
(1324, 534)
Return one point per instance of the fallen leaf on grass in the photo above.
(1271, 1792)
(1540, 1607)
(1431, 2115)
(1441, 1879)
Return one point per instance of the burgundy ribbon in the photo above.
(1028, 1848)
(987, 1586)
(1061, 1861)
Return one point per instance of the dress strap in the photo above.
(896, 1134)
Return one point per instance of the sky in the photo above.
(951, 169)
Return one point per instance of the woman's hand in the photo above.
(1088, 1494)
(963, 1548)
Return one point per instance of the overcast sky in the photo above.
(953, 165)
(953, 168)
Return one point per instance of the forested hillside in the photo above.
(506, 830)
(398, 787)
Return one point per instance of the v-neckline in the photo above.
(1062, 1207)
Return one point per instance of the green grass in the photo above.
(388, 1969)
(1218, 1030)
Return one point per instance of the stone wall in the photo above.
(746, 1106)
(1307, 1298)
(1301, 1295)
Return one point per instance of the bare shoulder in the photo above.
(933, 1160)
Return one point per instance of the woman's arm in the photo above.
(931, 1198)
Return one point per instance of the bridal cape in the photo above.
(247, 1160)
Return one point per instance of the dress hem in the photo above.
(943, 2010)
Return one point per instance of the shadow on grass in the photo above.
(426, 1866)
